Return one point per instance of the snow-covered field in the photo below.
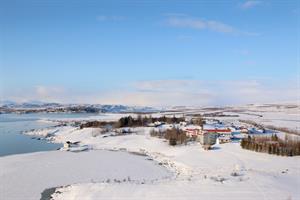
(226, 172)
(98, 117)
(278, 115)
(26, 176)
(156, 170)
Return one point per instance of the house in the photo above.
(220, 131)
(69, 144)
(207, 139)
(192, 131)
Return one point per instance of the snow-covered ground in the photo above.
(26, 176)
(98, 117)
(278, 116)
(277, 119)
(166, 172)
(226, 172)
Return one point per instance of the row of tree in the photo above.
(272, 145)
(129, 121)
(174, 136)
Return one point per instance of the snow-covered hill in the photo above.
(37, 106)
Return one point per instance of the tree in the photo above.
(172, 141)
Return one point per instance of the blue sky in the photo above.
(150, 52)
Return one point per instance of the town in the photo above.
(205, 131)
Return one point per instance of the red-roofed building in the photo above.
(192, 132)
(221, 131)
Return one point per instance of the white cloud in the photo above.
(47, 92)
(250, 4)
(163, 85)
(170, 93)
(202, 24)
(187, 22)
(203, 93)
(39, 92)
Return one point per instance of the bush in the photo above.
(198, 121)
(172, 141)
(174, 135)
(272, 145)
(95, 124)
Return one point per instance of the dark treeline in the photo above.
(272, 145)
(174, 135)
(129, 121)
(96, 124)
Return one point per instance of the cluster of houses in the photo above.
(216, 132)
(211, 132)
(208, 135)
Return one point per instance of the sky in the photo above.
(151, 52)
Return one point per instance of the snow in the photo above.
(276, 115)
(191, 190)
(260, 176)
(165, 172)
(99, 117)
(198, 172)
(26, 176)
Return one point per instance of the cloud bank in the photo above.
(171, 93)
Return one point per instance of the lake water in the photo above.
(11, 126)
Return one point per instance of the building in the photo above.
(192, 131)
(207, 139)
(223, 131)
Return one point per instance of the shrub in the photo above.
(95, 124)
(272, 145)
(174, 135)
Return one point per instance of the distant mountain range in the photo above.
(37, 106)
